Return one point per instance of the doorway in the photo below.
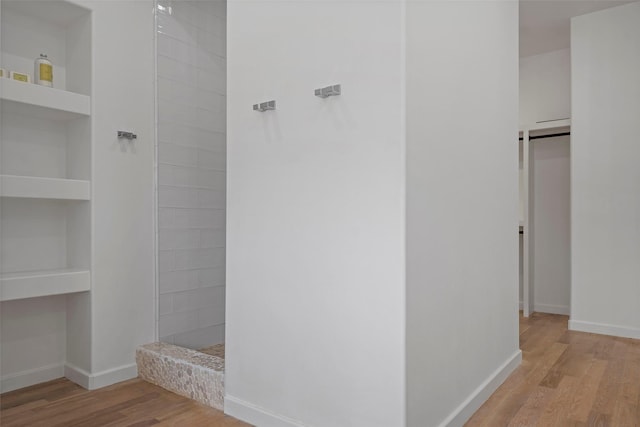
(545, 239)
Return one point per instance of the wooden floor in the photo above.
(131, 403)
(567, 379)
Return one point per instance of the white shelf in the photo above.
(42, 101)
(44, 188)
(552, 124)
(33, 284)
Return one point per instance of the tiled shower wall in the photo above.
(191, 49)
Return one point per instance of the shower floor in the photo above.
(215, 350)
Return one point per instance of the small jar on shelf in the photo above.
(43, 72)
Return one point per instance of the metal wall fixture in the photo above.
(126, 135)
(325, 92)
(264, 106)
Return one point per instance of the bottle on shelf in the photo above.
(43, 71)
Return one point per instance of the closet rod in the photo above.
(551, 135)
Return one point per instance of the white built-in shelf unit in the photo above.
(45, 162)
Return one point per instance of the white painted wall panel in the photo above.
(462, 205)
(122, 296)
(315, 306)
(605, 178)
(545, 87)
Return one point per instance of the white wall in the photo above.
(315, 265)
(551, 225)
(605, 177)
(545, 87)
(122, 292)
(191, 176)
(462, 206)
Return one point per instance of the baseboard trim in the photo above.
(77, 375)
(100, 379)
(30, 377)
(463, 412)
(256, 415)
(604, 329)
(552, 309)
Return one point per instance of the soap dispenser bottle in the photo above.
(43, 71)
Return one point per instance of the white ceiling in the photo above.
(545, 24)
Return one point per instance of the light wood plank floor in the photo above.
(131, 403)
(567, 379)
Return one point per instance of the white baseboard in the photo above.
(463, 412)
(552, 309)
(77, 375)
(256, 415)
(100, 379)
(604, 329)
(23, 379)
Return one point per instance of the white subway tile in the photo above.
(186, 93)
(176, 70)
(168, 339)
(179, 239)
(198, 298)
(169, 25)
(192, 155)
(178, 197)
(166, 217)
(186, 259)
(214, 141)
(206, 218)
(212, 277)
(170, 324)
(214, 199)
(212, 160)
(202, 337)
(206, 80)
(175, 281)
(172, 154)
(181, 218)
(214, 257)
(166, 261)
(213, 121)
(213, 64)
(212, 238)
(212, 7)
(165, 304)
(190, 136)
(211, 316)
(212, 179)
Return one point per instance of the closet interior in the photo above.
(544, 227)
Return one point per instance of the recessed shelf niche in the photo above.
(45, 189)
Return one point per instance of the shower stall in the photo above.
(191, 172)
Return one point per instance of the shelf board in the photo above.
(42, 101)
(44, 188)
(31, 284)
(547, 126)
